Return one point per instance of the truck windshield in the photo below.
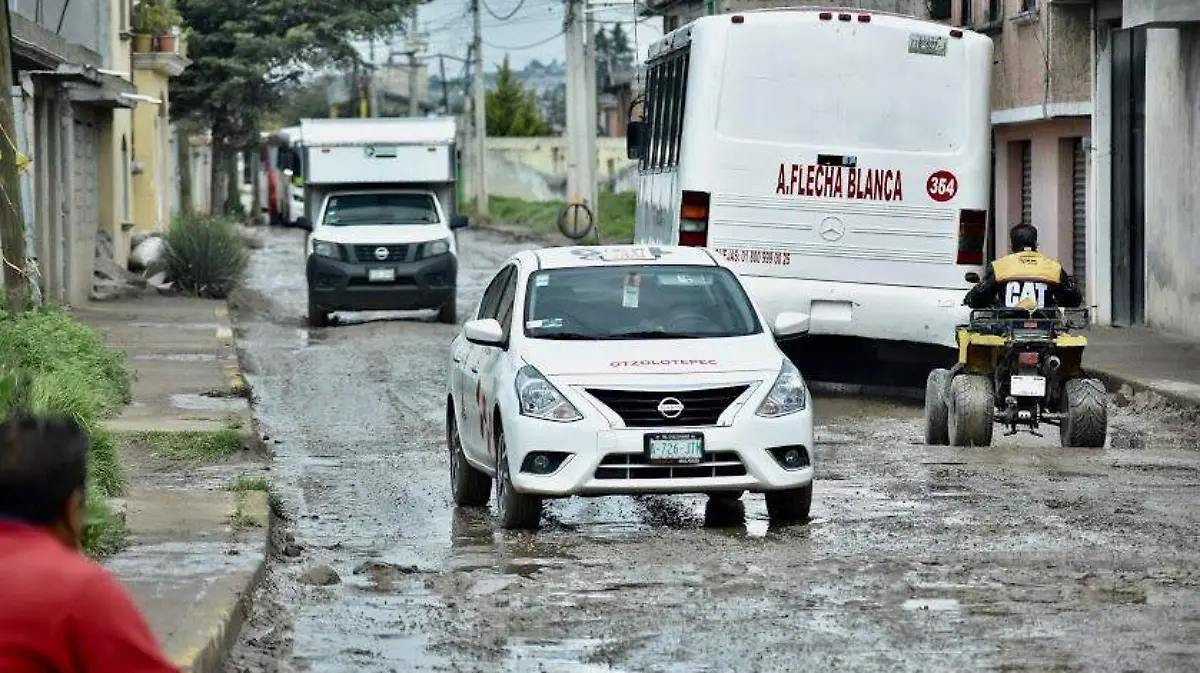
(637, 302)
(347, 210)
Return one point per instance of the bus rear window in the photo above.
(815, 85)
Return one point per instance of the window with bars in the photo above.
(666, 92)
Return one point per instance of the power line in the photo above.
(526, 46)
(520, 4)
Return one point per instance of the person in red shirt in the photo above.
(60, 612)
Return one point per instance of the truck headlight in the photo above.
(435, 248)
(787, 396)
(327, 249)
(538, 398)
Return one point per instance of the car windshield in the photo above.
(637, 302)
(380, 209)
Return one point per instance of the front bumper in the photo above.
(336, 285)
(607, 461)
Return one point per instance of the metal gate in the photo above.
(1079, 214)
(1026, 182)
(85, 215)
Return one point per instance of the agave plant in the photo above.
(206, 256)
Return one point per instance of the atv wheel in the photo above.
(1085, 417)
(316, 317)
(515, 510)
(448, 313)
(937, 431)
(789, 506)
(470, 487)
(972, 411)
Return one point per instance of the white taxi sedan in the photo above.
(623, 370)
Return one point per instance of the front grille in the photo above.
(639, 408)
(366, 253)
(635, 466)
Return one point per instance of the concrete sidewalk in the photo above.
(1145, 359)
(197, 546)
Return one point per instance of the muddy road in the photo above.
(1023, 556)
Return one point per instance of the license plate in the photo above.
(1027, 386)
(381, 275)
(675, 447)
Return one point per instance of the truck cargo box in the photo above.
(379, 150)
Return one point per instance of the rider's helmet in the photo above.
(1023, 237)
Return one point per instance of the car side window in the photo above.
(491, 296)
(504, 310)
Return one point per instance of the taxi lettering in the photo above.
(1017, 290)
(661, 363)
(840, 182)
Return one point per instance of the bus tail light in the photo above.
(972, 236)
(693, 219)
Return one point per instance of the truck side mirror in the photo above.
(458, 221)
(633, 139)
(304, 223)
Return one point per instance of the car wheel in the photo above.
(316, 316)
(726, 495)
(790, 505)
(448, 313)
(516, 511)
(471, 488)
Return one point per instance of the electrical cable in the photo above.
(520, 4)
(525, 46)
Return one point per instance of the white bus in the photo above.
(839, 159)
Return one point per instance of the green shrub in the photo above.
(206, 256)
(53, 364)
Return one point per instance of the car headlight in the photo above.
(539, 399)
(435, 248)
(327, 249)
(787, 396)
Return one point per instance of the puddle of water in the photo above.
(205, 403)
(177, 357)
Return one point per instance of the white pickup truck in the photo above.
(379, 203)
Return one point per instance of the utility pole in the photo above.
(374, 84)
(589, 67)
(581, 124)
(12, 228)
(414, 90)
(480, 181)
(442, 78)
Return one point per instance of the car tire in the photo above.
(316, 316)
(516, 511)
(469, 486)
(972, 411)
(937, 412)
(790, 505)
(1085, 418)
(448, 313)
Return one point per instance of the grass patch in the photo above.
(51, 363)
(541, 217)
(245, 483)
(240, 521)
(191, 445)
(206, 256)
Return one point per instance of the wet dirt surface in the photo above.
(1020, 557)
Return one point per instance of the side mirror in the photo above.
(458, 221)
(304, 223)
(791, 324)
(633, 140)
(972, 277)
(486, 332)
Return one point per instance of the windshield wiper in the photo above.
(656, 334)
(572, 336)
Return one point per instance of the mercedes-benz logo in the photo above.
(670, 407)
(381, 253)
(832, 229)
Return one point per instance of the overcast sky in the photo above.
(534, 31)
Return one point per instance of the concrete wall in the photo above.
(536, 168)
(150, 147)
(1159, 13)
(84, 22)
(1172, 176)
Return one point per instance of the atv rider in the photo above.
(1026, 273)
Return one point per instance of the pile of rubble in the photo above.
(146, 271)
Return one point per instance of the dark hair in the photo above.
(1023, 236)
(43, 460)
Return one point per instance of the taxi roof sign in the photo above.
(628, 254)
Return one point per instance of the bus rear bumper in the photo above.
(888, 312)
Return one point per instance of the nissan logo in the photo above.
(381, 253)
(670, 407)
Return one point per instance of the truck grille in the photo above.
(639, 408)
(634, 466)
(366, 253)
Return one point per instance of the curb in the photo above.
(1114, 382)
(237, 382)
(211, 657)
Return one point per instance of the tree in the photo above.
(620, 48)
(604, 59)
(244, 52)
(554, 107)
(511, 110)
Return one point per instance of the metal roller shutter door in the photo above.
(1026, 182)
(1079, 213)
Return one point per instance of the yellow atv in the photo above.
(1020, 367)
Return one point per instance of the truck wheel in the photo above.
(316, 316)
(972, 411)
(789, 505)
(448, 313)
(516, 511)
(470, 487)
(1085, 418)
(937, 431)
